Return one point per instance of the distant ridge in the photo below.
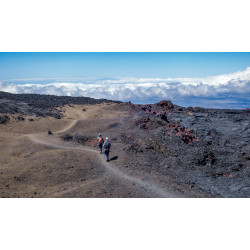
(41, 105)
(51, 101)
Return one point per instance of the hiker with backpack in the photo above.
(107, 146)
(100, 142)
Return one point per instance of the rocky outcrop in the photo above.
(208, 148)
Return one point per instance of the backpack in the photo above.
(106, 145)
(100, 140)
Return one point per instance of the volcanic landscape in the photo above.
(49, 149)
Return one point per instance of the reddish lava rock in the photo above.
(166, 105)
(186, 135)
(144, 124)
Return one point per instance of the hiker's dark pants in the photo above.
(100, 147)
(106, 152)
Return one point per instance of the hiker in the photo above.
(107, 146)
(100, 142)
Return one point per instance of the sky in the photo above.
(216, 80)
(45, 65)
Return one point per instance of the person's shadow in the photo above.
(114, 158)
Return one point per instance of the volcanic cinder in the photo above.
(49, 149)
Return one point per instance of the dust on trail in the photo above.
(72, 124)
(150, 187)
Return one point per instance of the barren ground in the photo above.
(35, 164)
(159, 150)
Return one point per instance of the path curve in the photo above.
(72, 124)
(150, 187)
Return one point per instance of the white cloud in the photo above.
(8, 88)
(137, 89)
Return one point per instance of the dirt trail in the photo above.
(146, 186)
(72, 124)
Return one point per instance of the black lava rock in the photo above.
(4, 119)
(41, 105)
(19, 118)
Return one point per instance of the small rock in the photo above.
(17, 178)
(20, 118)
(50, 133)
(68, 137)
(4, 119)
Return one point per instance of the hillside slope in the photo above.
(159, 150)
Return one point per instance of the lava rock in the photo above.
(42, 105)
(4, 119)
(20, 118)
(67, 137)
(164, 117)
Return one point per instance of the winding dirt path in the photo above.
(72, 124)
(151, 188)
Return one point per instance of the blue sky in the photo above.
(151, 65)
(215, 80)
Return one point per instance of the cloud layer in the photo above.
(223, 91)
